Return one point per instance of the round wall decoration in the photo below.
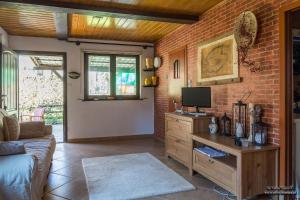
(74, 75)
(245, 29)
(157, 62)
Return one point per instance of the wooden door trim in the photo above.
(183, 51)
(64, 55)
(284, 129)
(183, 48)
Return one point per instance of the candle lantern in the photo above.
(260, 131)
(225, 125)
(259, 128)
(239, 118)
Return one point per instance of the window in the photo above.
(111, 76)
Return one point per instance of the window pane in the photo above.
(99, 75)
(126, 75)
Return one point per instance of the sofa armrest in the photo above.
(30, 130)
(48, 129)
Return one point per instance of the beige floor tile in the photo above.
(55, 181)
(75, 190)
(73, 171)
(58, 164)
(53, 197)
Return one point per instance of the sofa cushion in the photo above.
(30, 130)
(11, 127)
(42, 148)
(11, 148)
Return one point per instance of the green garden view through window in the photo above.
(111, 76)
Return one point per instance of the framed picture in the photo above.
(217, 61)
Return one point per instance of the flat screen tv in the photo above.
(199, 97)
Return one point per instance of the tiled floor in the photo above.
(66, 180)
(58, 132)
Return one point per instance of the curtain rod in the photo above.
(78, 42)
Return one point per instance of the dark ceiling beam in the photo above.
(61, 25)
(75, 8)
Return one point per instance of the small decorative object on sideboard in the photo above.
(225, 125)
(213, 126)
(251, 120)
(259, 128)
(239, 117)
(178, 106)
(239, 131)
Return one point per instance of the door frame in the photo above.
(286, 96)
(183, 49)
(64, 55)
(2, 49)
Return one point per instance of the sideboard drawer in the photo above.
(178, 134)
(218, 172)
(178, 124)
(177, 148)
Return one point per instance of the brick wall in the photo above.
(215, 22)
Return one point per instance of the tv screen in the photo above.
(196, 97)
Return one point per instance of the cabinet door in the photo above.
(9, 80)
(178, 149)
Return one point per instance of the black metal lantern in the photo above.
(239, 118)
(259, 132)
(259, 128)
(225, 125)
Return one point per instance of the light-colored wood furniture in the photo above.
(245, 171)
(178, 136)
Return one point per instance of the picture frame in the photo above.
(217, 61)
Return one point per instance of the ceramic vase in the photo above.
(213, 126)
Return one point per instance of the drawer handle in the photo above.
(211, 161)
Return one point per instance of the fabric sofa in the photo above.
(24, 176)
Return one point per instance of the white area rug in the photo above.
(130, 176)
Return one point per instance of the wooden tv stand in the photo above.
(245, 171)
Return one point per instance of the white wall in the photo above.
(92, 119)
(3, 37)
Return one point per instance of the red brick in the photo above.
(215, 22)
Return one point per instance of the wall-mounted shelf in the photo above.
(150, 70)
(150, 85)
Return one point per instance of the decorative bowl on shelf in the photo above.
(147, 82)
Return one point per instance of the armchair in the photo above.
(37, 115)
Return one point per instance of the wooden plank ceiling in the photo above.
(27, 23)
(118, 28)
(38, 19)
(192, 7)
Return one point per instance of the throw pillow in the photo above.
(30, 130)
(11, 127)
(11, 148)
